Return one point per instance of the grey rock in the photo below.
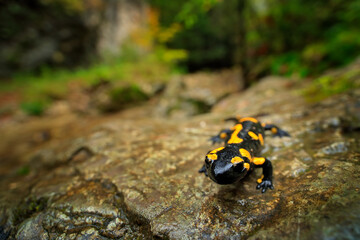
(128, 175)
(337, 147)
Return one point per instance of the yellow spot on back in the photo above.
(261, 139)
(249, 119)
(253, 135)
(235, 140)
(236, 160)
(212, 156)
(259, 160)
(263, 124)
(234, 136)
(247, 166)
(237, 126)
(223, 135)
(245, 153)
(274, 130)
(216, 150)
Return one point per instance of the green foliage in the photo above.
(186, 12)
(193, 11)
(288, 64)
(170, 56)
(69, 5)
(207, 33)
(292, 38)
(298, 37)
(305, 36)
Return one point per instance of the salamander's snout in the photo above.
(223, 171)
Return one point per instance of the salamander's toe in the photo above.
(203, 170)
(264, 185)
(281, 133)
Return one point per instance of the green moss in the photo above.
(28, 208)
(34, 108)
(127, 95)
(200, 106)
(23, 171)
(329, 85)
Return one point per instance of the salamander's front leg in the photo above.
(222, 136)
(265, 181)
(203, 170)
(278, 132)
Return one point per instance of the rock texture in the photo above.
(128, 176)
(196, 93)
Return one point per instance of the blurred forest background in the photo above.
(48, 47)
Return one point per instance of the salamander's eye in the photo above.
(207, 161)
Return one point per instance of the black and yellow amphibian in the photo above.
(241, 153)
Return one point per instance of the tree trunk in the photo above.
(241, 43)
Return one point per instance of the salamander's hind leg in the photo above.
(278, 132)
(265, 181)
(222, 136)
(203, 170)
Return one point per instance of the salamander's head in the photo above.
(225, 165)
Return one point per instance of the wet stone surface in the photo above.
(128, 176)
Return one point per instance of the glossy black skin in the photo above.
(223, 171)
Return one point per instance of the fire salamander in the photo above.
(240, 155)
